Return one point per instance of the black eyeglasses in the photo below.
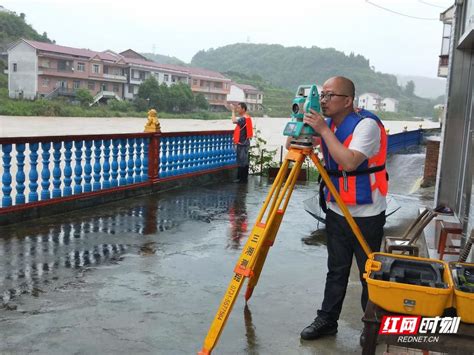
(329, 96)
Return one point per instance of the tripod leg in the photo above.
(253, 247)
(275, 225)
(263, 255)
(341, 204)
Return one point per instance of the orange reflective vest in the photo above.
(356, 187)
(247, 126)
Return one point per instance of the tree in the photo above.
(200, 102)
(149, 90)
(181, 98)
(410, 88)
(84, 96)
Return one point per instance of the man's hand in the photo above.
(232, 107)
(316, 121)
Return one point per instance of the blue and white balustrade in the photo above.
(52, 169)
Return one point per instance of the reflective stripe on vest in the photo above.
(357, 190)
(247, 126)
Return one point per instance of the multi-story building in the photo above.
(44, 70)
(455, 183)
(370, 101)
(213, 85)
(38, 69)
(139, 68)
(447, 18)
(248, 94)
(389, 104)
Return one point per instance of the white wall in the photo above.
(368, 102)
(25, 79)
(389, 105)
(236, 94)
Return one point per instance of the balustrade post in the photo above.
(88, 167)
(78, 167)
(56, 169)
(123, 162)
(20, 175)
(45, 174)
(6, 177)
(33, 174)
(97, 151)
(130, 162)
(164, 146)
(138, 160)
(67, 191)
(146, 147)
(115, 162)
(106, 180)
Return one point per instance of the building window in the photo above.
(45, 82)
(91, 85)
(45, 63)
(76, 84)
(106, 69)
(130, 89)
(141, 75)
(96, 68)
(195, 82)
(218, 85)
(104, 87)
(15, 67)
(81, 67)
(166, 77)
(116, 88)
(64, 65)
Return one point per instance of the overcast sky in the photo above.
(393, 43)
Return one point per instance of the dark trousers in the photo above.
(342, 244)
(242, 152)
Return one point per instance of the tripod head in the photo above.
(306, 98)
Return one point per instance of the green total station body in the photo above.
(306, 98)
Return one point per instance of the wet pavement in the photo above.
(146, 275)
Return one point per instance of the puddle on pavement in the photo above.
(44, 254)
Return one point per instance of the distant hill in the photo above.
(163, 59)
(12, 28)
(288, 67)
(429, 88)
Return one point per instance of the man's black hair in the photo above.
(243, 105)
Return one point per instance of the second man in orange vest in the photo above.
(242, 133)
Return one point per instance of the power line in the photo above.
(401, 14)
(433, 5)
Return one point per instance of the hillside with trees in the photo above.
(288, 67)
(163, 59)
(12, 28)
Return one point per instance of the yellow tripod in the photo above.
(263, 235)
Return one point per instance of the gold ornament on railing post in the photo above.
(152, 124)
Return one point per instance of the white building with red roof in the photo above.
(38, 69)
(248, 94)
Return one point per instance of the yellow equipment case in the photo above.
(463, 290)
(408, 284)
